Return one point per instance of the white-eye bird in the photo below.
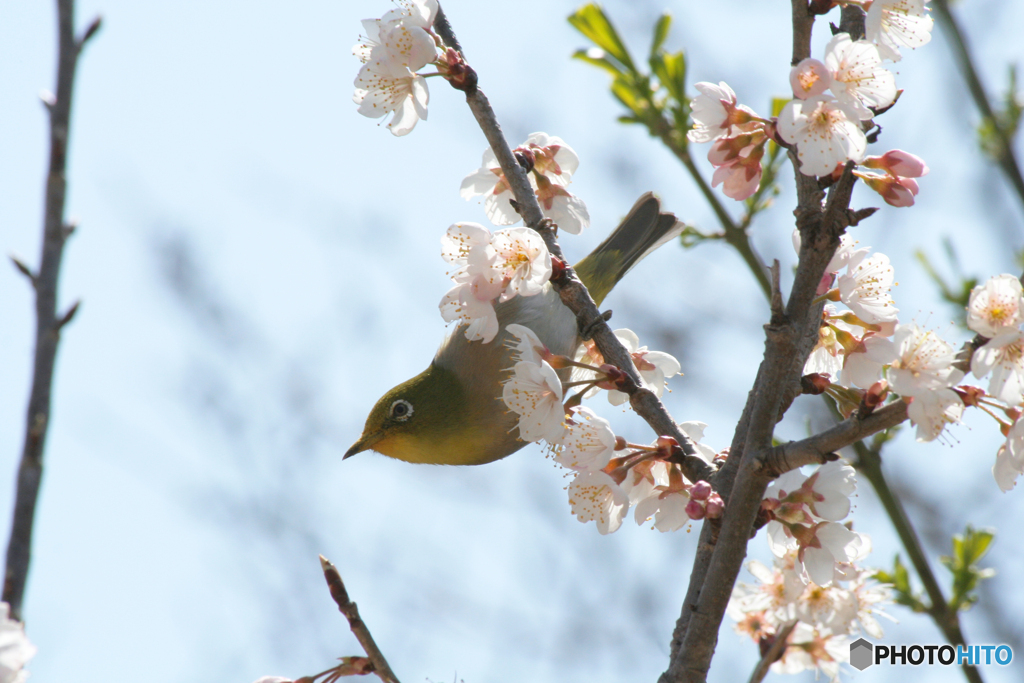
(452, 413)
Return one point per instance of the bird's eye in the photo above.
(401, 410)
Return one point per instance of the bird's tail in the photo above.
(644, 229)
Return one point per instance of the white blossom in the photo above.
(858, 78)
(383, 88)
(923, 362)
(535, 393)
(1010, 458)
(1003, 356)
(894, 23)
(932, 410)
(996, 306)
(528, 346)
(826, 132)
(865, 288)
(716, 113)
(518, 258)
(15, 648)
(595, 497)
(472, 303)
(588, 444)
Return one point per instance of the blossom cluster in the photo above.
(550, 164)
(834, 101)
(394, 49)
(995, 311)
(823, 617)
(610, 475)
(487, 268)
(805, 512)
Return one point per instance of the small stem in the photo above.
(869, 463)
(358, 626)
(1007, 159)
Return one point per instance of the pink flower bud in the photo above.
(701, 490)
(715, 506)
(899, 163)
(695, 510)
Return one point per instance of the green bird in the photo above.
(452, 413)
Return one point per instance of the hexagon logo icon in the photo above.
(861, 654)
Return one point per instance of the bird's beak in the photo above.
(365, 443)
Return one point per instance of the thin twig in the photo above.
(778, 646)
(1007, 159)
(573, 292)
(358, 626)
(48, 325)
(869, 463)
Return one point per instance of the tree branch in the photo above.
(358, 626)
(572, 291)
(48, 325)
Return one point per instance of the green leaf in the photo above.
(691, 236)
(661, 29)
(592, 22)
(626, 92)
(968, 550)
(778, 103)
(900, 580)
(671, 72)
(598, 57)
(1007, 120)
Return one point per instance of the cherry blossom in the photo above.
(1003, 356)
(932, 410)
(891, 24)
(596, 497)
(472, 303)
(809, 78)
(383, 88)
(996, 306)
(588, 444)
(923, 362)
(1010, 458)
(865, 288)
(394, 48)
(15, 648)
(403, 35)
(810, 648)
(553, 164)
(528, 346)
(858, 78)
(716, 113)
(826, 132)
(517, 258)
(534, 392)
(456, 244)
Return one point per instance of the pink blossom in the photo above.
(809, 78)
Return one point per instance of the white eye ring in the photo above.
(401, 410)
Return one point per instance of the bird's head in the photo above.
(420, 420)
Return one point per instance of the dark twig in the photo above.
(775, 651)
(48, 326)
(351, 612)
(572, 291)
